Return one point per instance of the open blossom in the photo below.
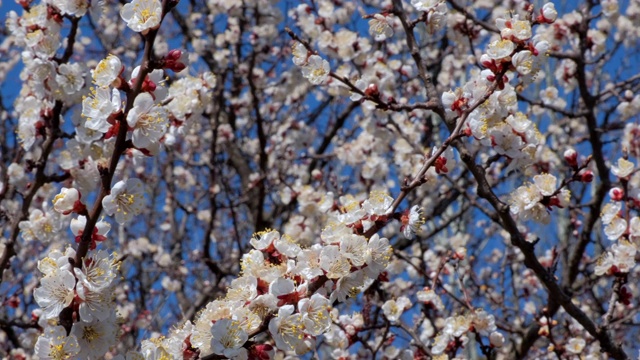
(514, 28)
(378, 255)
(227, 338)
(523, 62)
(500, 49)
(425, 5)
(107, 71)
(334, 262)
(436, 19)
(54, 344)
(619, 259)
(354, 248)
(623, 169)
(55, 293)
(575, 345)
(412, 221)
(393, 309)
(149, 122)
(99, 271)
(315, 314)
(615, 228)
(379, 28)
(484, 322)
(70, 78)
(96, 337)
(378, 203)
(142, 15)
(99, 106)
(287, 329)
(545, 183)
(125, 200)
(65, 201)
(299, 53)
(75, 8)
(316, 70)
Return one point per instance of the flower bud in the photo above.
(175, 60)
(372, 90)
(586, 176)
(571, 157)
(548, 13)
(496, 339)
(616, 194)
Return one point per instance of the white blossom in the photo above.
(125, 200)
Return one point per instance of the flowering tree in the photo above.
(263, 179)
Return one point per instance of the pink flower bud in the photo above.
(175, 60)
(586, 176)
(616, 194)
(571, 157)
(548, 13)
(372, 90)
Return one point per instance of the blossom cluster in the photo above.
(289, 290)
(184, 167)
(89, 290)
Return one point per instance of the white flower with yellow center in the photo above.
(334, 262)
(54, 344)
(72, 7)
(348, 286)
(354, 248)
(287, 246)
(623, 169)
(378, 255)
(244, 288)
(500, 49)
(107, 71)
(70, 78)
(227, 338)
(55, 293)
(392, 310)
(523, 62)
(425, 5)
(575, 345)
(316, 70)
(299, 53)
(615, 228)
(287, 329)
(263, 239)
(149, 122)
(315, 314)
(379, 28)
(98, 270)
(308, 262)
(378, 203)
(95, 304)
(99, 106)
(125, 200)
(64, 202)
(95, 338)
(545, 183)
(142, 15)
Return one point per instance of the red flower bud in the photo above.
(571, 157)
(616, 194)
(586, 176)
